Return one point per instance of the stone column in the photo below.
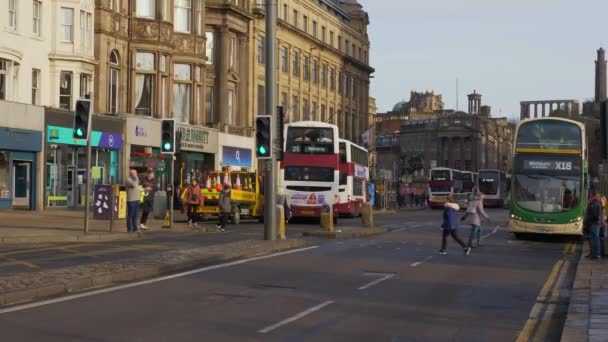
(222, 75)
(543, 106)
(536, 110)
(243, 64)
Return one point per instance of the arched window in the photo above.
(113, 82)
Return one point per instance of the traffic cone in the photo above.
(218, 184)
(208, 184)
(167, 220)
(237, 186)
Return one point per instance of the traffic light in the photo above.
(280, 128)
(167, 136)
(82, 116)
(263, 137)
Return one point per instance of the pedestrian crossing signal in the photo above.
(82, 116)
(167, 136)
(263, 147)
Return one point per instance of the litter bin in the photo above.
(160, 204)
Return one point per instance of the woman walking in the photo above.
(193, 199)
(472, 217)
(450, 226)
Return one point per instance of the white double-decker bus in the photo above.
(354, 175)
(494, 184)
(310, 168)
(443, 182)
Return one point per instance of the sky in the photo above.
(507, 50)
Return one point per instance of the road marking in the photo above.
(418, 263)
(150, 281)
(550, 280)
(399, 230)
(384, 276)
(13, 261)
(490, 233)
(45, 249)
(295, 317)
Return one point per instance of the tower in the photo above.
(600, 76)
(474, 103)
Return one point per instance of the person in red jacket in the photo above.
(192, 200)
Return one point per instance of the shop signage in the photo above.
(197, 139)
(20, 139)
(235, 156)
(63, 135)
(143, 132)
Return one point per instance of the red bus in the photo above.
(354, 175)
(309, 170)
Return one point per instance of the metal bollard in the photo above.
(367, 215)
(327, 218)
(280, 222)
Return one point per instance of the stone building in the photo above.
(323, 63)
(420, 102)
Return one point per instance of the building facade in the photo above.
(323, 63)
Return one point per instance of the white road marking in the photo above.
(418, 263)
(416, 225)
(295, 317)
(150, 281)
(399, 230)
(385, 276)
(491, 233)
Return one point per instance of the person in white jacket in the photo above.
(475, 212)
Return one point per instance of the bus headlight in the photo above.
(515, 217)
(576, 219)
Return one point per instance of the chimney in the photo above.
(600, 76)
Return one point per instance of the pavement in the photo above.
(588, 311)
(389, 287)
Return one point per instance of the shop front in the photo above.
(66, 173)
(197, 153)
(143, 149)
(19, 150)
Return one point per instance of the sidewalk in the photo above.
(61, 226)
(588, 310)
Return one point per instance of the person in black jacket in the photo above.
(147, 205)
(594, 219)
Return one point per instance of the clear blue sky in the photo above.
(508, 50)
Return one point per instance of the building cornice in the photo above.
(72, 58)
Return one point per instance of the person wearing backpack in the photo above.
(473, 216)
(193, 199)
(450, 226)
(594, 220)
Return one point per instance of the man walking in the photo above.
(133, 197)
(594, 219)
(225, 204)
(147, 205)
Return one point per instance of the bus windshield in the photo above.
(440, 181)
(549, 134)
(488, 182)
(547, 184)
(310, 174)
(310, 140)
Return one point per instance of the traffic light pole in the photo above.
(89, 179)
(270, 219)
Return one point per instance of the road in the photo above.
(393, 287)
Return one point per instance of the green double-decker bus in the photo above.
(548, 184)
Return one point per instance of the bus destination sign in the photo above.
(545, 165)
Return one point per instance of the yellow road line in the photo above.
(77, 252)
(550, 280)
(44, 249)
(13, 261)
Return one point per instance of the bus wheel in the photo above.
(236, 217)
(518, 236)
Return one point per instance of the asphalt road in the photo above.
(393, 287)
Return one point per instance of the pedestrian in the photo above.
(450, 226)
(193, 199)
(473, 216)
(594, 219)
(133, 198)
(225, 204)
(147, 205)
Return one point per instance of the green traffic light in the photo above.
(262, 150)
(167, 146)
(79, 132)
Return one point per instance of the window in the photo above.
(295, 18)
(182, 92)
(331, 38)
(339, 42)
(360, 54)
(332, 78)
(164, 10)
(209, 105)
(231, 109)
(346, 85)
(182, 20)
(164, 86)
(324, 75)
(85, 29)
(353, 50)
(284, 100)
(3, 78)
(113, 82)
(305, 110)
(85, 83)
(314, 29)
(315, 109)
(65, 90)
(323, 113)
(36, 86)
(315, 72)
(67, 24)
(295, 61)
(232, 53)
(365, 56)
(284, 60)
(467, 165)
(261, 100)
(199, 17)
(295, 108)
(261, 50)
(331, 115)
(305, 24)
(285, 11)
(209, 47)
(36, 16)
(145, 8)
(340, 83)
(145, 63)
(12, 14)
(323, 33)
(347, 46)
(305, 68)
(353, 87)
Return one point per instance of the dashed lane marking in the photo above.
(384, 276)
(418, 263)
(295, 317)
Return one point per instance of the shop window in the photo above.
(4, 175)
(182, 92)
(65, 90)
